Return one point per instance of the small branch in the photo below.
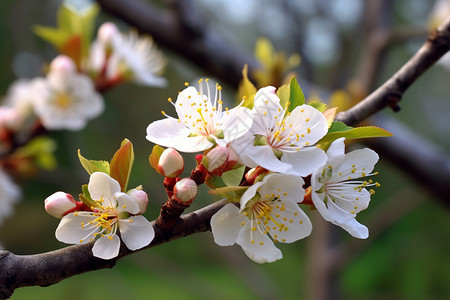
(49, 268)
(390, 93)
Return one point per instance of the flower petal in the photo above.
(285, 187)
(355, 228)
(136, 232)
(264, 157)
(292, 224)
(226, 225)
(171, 133)
(337, 148)
(106, 248)
(305, 161)
(236, 122)
(258, 247)
(71, 231)
(102, 186)
(126, 203)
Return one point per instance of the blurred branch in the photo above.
(390, 93)
(49, 268)
(184, 31)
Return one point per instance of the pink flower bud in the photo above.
(185, 190)
(216, 158)
(59, 204)
(171, 163)
(62, 64)
(107, 32)
(141, 199)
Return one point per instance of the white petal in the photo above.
(307, 122)
(318, 200)
(226, 225)
(236, 122)
(126, 203)
(105, 248)
(286, 187)
(305, 161)
(355, 228)
(101, 186)
(171, 133)
(71, 231)
(337, 148)
(266, 110)
(258, 247)
(249, 194)
(292, 224)
(264, 157)
(338, 214)
(361, 159)
(136, 232)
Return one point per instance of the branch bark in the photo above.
(49, 268)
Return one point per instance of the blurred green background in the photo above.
(407, 254)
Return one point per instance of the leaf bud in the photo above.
(59, 204)
(185, 190)
(171, 163)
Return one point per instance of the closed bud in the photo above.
(171, 163)
(62, 64)
(141, 199)
(185, 190)
(107, 32)
(59, 204)
(216, 158)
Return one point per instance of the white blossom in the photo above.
(338, 193)
(9, 195)
(266, 208)
(114, 211)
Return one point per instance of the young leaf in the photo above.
(320, 106)
(232, 193)
(92, 166)
(214, 181)
(338, 126)
(246, 89)
(329, 115)
(296, 97)
(233, 177)
(264, 52)
(283, 94)
(121, 164)
(86, 197)
(355, 133)
(154, 156)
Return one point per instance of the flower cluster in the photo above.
(267, 156)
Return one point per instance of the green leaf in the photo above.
(246, 90)
(121, 164)
(338, 126)
(355, 133)
(214, 181)
(232, 193)
(92, 166)
(54, 36)
(283, 93)
(233, 177)
(296, 97)
(86, 197)
(154, 156)
(320, 106)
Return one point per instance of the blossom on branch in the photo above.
(267, 208)
(201, 122)
(337, 191)
(112, 211)
(282, 141)
(9, 195)
(65, 99)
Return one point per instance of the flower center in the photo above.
(63, 100)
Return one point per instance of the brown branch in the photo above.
(49, 268)
(182, 31)
(390, 93)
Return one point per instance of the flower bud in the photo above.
(107, 32)
(59, 204)
(171, 163)
(216, 158)
(185, 190)
(62, 64)
(141, 199)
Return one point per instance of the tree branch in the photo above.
(49, 268)
(390, 93)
